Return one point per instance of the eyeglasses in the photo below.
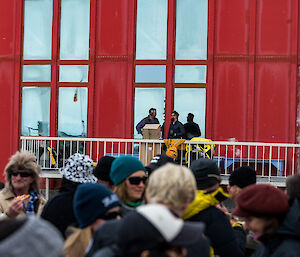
(137, 180)
(23, 174)
(111, 215)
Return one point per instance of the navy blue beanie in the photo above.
(123, 167)
(91, 201)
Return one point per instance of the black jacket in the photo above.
(226, 241)
(191, 130)
(286, 241)
(59, 209)
(176, 130)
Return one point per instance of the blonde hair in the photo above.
(172, 185)
(23, 160)
(121, 192)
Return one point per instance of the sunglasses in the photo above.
(111, 215)
(137, 180)
(23, 174)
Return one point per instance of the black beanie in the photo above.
(242, 177)
(206, 173)
(102, 169)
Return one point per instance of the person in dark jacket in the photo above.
(268, 215)
(59, 209)
(176, 129)
(150, 119)
(191, 128)
(225, 240)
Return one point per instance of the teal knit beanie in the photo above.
(123, 167)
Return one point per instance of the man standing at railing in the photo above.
(176, 129)
(150, 119)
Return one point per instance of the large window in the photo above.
(172, 63)
(55, 68)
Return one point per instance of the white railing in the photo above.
(273, 162)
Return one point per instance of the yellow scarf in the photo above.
(204, 200)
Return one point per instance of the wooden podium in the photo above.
(149, 150)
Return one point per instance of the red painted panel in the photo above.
(274, 21)
(112, 27)
(231, 27)
(272, 98)
(230, 101)
(110, 101)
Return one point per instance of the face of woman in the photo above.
(135, 186)
(256, 225)
(21, 181)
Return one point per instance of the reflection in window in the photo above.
(151, 31)
(146, 98)
(73, 73)
(75, 29)
(190, 74)
(35, 111)
(72, 111)
(150, 74)
(37, 30)
(191, 100)
(191, 29)
(36, 73)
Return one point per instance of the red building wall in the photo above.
(252, 70)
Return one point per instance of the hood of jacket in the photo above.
(291, 223)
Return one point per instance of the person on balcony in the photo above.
(21, 195)
(192, 129)
(78, 170)
(150, 119)
(129, 177)
(176, 129)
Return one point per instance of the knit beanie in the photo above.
(206, 173)
(242, 177)
(123, 167)
(91, 201)
(34, 238)
(102, 169)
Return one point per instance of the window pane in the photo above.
(37, 30)
(36, 73)
(151, 31)
(73, 73)
(191, 29)
(191, 100)
(190, 74)
(146, 98)
(35, 111)
(72, 111)
(75, 29)
(150, 73)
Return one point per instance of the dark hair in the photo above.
(292, 186)
(9, 226)
(151, 111)
(1, 185)
(176, 113)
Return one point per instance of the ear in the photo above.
(145, 253)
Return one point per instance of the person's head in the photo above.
(102, 170)
(153, 227)
(79, 169)
(158, 161)
(206, 173)
(174, 116)
(239, 179)
(293, 186)
(264, 207)
(129, 177)
(29, 237)
(190, 117)
(22, 173)
(94, 204)
(173, 186)
(152, 112)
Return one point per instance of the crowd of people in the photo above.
(120, 208)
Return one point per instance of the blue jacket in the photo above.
(176, 130)
(145, 121)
